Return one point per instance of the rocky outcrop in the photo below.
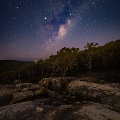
(44, 109)
(57, 84)
(6, 94)
(10, 94)
(64, 98)
(94, 92)
(97, 111)
(21, 96)
(27, 91)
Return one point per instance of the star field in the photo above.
(32, 29)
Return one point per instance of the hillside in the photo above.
(11, 65)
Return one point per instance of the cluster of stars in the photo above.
(40, 28)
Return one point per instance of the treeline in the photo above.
(69, 62)
(11, 65)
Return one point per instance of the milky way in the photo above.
(31, 29)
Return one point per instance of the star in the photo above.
(33, 26)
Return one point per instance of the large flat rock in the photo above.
(45, 109)
(94, 92)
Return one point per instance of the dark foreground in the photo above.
(64, 98)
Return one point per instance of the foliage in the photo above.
(66, 59)
(67, 62)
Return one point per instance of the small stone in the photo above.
(38, 109)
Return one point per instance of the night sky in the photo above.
(34, 29)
